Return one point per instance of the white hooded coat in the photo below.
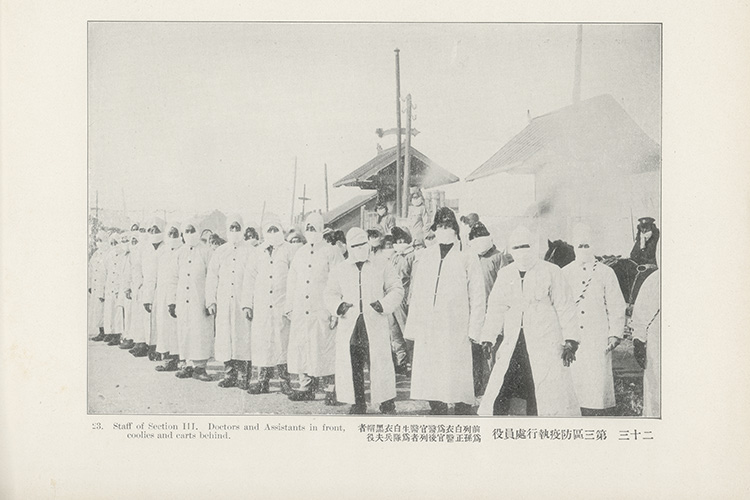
(647, 328)
(165, 294)
(543, 306)
(312, 344)
(122, 300)
(137, 323)
(600, 309)
(97, 275)
(379, 282)
(224, 288)
(264, 291)
(115, 264)
(446, 309)
(149, 268)
(195, 331)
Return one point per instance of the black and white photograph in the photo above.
(394, 218)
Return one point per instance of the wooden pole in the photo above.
(294, 190)
(262, 214)
(398, 134)
(304, 199)
(577, 75)
(325, 174)
(407, 159)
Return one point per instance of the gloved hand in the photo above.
(171, 308)
(211, 309)
(343, 307)
(569, 352)
(128, 294)
(613, 343)
(487, 349)
(89, 290)
(147, 307)
(639, 351)
(101, 299)
(248, 313)
(377, 306)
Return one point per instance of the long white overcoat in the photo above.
(447, 309)
(164, 294)
(264, 291)
(137, 322)
(600, 308)
(379, 282)
(544, 307)
(224, 288)
(312, 343)
(195, 333)
(647, 327)
(123, 317)
(97, 274)
(149, 268)
(115, 265)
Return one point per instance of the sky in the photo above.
(192, 117)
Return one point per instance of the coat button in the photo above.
(270, 277)
(271, 262)
(307, 312)
(583, 312)
(187, 287)
(583, 282)
(581, 327)
(270, 291)
(307, 296)
(309, 265)
(270, 307)
(187, 301)
(190, 262)
(308, 282)
(188, 274)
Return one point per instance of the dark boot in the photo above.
(230, 375)
(152, 353)
(283, 374)
(358, 409)
(169, 365)
(184, 372)
(462, 409)
(331, 399)
(438, 408)
(115, 340)
(388, 407)
(139, 350)
(127, 344)
(244, 372)
(308, 395)
(107, 338)
(99, 337)
(261, 387)
(200, 374)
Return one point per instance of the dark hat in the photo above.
(445, 216)
(399, 233)
(646, 219)
(470, 219)
(373, 233)
(478, 230)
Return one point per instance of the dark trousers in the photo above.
(518, 381)
(481, 369)
(360, 357)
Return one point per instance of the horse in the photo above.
(559, 253)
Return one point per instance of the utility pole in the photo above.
(577, 75)
(304, 198)
(294, 190)
(398, 135)
(325, 175)
(407, 157)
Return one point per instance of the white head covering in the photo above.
(315, 220)
(524, 258)
(357, 236)
(521, 236)
(235, 217)
(272, 220)
(581, 235)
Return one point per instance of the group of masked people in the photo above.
(464, 319)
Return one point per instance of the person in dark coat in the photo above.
(644, 249)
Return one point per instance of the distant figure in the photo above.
(386, 221)
(644, 249)
(647, 342)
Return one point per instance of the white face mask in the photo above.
(481, 245)
(174, 242)
(584, 254)
(155, 238)
(125, 246)
(234, 237)
(401, 247)
(524, 258)
(360, 253)
(275, 239)
(313, 237)
(191, 239)
(374, 242)
(445, 236)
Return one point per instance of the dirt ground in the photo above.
(118, 383)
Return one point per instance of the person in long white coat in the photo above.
(195, 332)
(532, 312)
(312, 343)
(114, 267)
(600, 308)
(263, 300)
(136, 332)
(446, 313)
(149, 267)
(646, 327)
(123, 317)
(224, 298)
(164, 305)
(363, 293)
(96, 277)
